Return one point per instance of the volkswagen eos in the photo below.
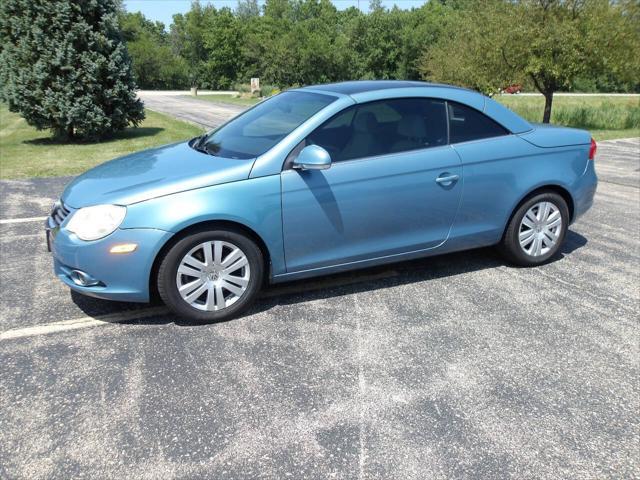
(318, 180)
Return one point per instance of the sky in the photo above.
(163, 10)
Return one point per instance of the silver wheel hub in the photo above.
(540, 229)
(213, 275)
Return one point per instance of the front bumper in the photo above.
(123, 277)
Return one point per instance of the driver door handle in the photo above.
(446, 179)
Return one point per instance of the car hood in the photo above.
(152, 173)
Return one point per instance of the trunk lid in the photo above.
(545, 135)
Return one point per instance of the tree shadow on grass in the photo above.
(331, 286)
(130, 133)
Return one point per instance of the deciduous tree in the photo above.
(155, 65)
(549, 43)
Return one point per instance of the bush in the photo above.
(63, 66)
(157, 67)
(583, 84)
(242, 87)
(269, 90)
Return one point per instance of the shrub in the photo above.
(63, 66)
(269, 90)
(242, 87)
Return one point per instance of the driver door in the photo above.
(383, 194)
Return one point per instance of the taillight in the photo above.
(592, 150)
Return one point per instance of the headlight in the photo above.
(92, 223)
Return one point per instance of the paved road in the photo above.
(451, 367)
(202, 112)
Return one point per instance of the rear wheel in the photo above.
(536, 230)
(211, 276)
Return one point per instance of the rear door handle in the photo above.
(446, 179)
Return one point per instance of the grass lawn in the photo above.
(26, 152)
(600, 135)
(605, 117)
(228, 99)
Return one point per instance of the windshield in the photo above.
(256, 131)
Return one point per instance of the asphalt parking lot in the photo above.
(458, 366)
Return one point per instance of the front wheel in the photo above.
(211, 276)
(536, 230)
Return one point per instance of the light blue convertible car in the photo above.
(318, 180)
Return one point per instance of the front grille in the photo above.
(59, 213)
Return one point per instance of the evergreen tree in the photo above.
(64, 66)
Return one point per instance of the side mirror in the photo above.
(312, 157)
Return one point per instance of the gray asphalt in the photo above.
(204, 113)
(458, 366)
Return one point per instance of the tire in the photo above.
(225, 291)
(541, 238)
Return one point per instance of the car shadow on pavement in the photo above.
(368, 279)
(395, 274)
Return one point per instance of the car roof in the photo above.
(362, 86)
(362, 91)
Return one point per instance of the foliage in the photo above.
(247, 9)
(155, 65)
(547, 45)
(64, 67)
(269, 90)
(242, 87)
(187, 40)
(559, 44)
(295, 42)
(28, 153)
(222, 39)
(552, 43)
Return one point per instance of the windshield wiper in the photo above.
(197, 144)
(209, 148)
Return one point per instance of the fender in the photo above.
(500, 174)
(254, 203)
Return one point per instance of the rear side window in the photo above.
(466, 124)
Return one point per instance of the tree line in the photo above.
(72, 66)
(285, 43)
(585, 45)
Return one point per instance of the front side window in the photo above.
(259, 129)
(466, 124)
(383, 127)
